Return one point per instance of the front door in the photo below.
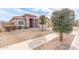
(31, 23)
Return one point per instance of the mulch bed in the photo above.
(56, 44)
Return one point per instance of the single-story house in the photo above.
(27, 21)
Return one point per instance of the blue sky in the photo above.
(7, 13)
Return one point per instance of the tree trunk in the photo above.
(42, 27)
(61, 37)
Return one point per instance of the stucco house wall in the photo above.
(31, 21)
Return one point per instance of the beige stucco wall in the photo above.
(14, 21)
(28, 21)
(35, 21)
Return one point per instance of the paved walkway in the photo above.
(30, 44)
(75, 43)
(33, 43)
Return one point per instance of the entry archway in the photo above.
(31, 22)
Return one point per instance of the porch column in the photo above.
(27, 22)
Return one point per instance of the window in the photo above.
(21, 23)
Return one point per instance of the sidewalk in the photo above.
(75, 43)
(33, 43)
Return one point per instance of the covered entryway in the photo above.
(31, 23)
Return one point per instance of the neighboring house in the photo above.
(2, 29)
(27, 21)
(76, 22)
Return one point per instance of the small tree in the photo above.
(62, 21)
(42, 20)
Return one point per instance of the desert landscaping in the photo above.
(31, 32)
(17, 36)
(56, 44)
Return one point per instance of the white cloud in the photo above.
(7, 13)
(47, 11)
(20, 11)
(4, 12)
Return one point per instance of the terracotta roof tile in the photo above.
(29, 15)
